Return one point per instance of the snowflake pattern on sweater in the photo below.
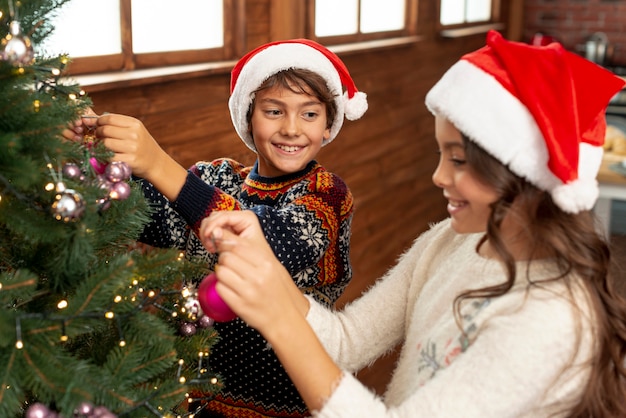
(306, 217)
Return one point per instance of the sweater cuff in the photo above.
(193, 199)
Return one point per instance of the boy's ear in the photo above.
(326, 134)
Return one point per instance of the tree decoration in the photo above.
(92, 324)
(16, 48)
(211, 302)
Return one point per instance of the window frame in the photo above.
(128, 61)
(410, 27)
(471, 28)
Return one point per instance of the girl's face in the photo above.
(288, 130)
(468, 198)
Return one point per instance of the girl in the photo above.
(506, 308)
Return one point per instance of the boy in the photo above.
(286, 103)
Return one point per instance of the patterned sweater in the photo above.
(306, 217)
(522, 357)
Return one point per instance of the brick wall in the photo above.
(573, 21)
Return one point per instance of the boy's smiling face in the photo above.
(288, 129)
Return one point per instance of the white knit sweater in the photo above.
(518, 362)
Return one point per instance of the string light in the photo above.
(109, 315)
(62, 304)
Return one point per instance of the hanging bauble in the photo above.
(117, 171)
(68, 205)
(119, 191)
(187, 329)
(37, 410)
(84, 409)
(72, 171)
(205, 321)
(17, 47)
(211, 302)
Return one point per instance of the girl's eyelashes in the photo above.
(457, 161)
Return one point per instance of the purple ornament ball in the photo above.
(187, 329)
(119, 191)
(72, 171)
(101, 412)
(205, 321)
(115, 171)
(37, 410)
(84, 409)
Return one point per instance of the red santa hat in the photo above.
(537, 109)
(261, 63)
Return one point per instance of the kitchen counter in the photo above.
(612, 187)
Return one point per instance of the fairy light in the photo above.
(181, 255)
(72, 96)
(64, 337)
(49, 187)
(109, 315)
(62, 304)
(151, 294)
(19, 344)
(117, 299)
(55, 71)
(36, 105)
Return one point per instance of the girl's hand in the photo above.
(250, 279)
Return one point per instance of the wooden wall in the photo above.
(386, 157)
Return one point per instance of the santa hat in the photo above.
(263, 62)
(537, 109)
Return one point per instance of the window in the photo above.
(458, 12)
(360, 20)
(109, 35)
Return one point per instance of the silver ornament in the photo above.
(68, 205)
(16, 47)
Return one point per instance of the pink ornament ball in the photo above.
(211, 302)
(98, 167)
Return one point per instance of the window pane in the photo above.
(158, 27)
(380, 16)
(336, 17)
(86, 28)
(452, 12)
(478, 10)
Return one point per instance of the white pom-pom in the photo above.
(576, 196)
(356, 106)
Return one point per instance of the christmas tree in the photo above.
(91, 323)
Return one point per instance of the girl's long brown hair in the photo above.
(579, 250)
